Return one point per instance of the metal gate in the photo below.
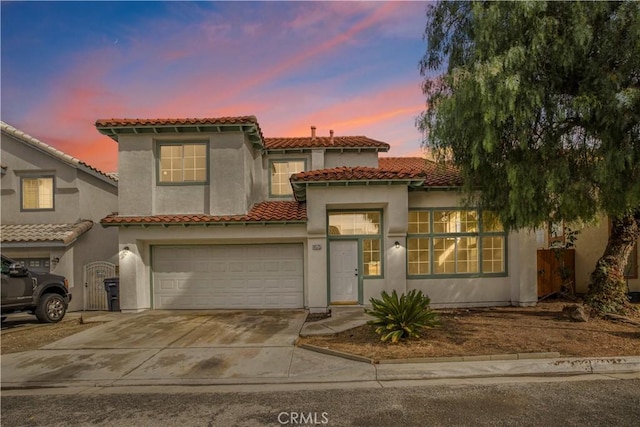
(95, 297)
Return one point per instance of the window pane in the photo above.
(183, 163)
(371, 257)
(29, 193)
(455, 221)
(490, 222)
(444, 255)
(418, 222)
(444, 221)
(280, 174)
(354, 223)
(37, 193)
(467, 255)
(493, 254)
(418, 256)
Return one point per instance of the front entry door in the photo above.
(344, 272)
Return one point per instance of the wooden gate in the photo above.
(550, 270)
(95, 297)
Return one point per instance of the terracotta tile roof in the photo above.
(356, 174)
(114, 128)
(436, 175)
(280, 211)
(127, 122)
(54, 152)
(52, 233)
(324, 142)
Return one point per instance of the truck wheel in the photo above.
(51, 308)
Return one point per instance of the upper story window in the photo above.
(37, 193)
(181, 163)
(281, 171)
(455, 242)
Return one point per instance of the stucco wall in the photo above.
(336, 159)
(135, 263)
(589, 247)
(519, 287)
(22, 160)
(231, 189)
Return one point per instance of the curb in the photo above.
(483, 358)
(330, 352)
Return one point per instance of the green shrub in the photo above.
(402, 317)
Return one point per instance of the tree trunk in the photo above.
(607, 287)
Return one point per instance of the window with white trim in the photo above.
(455, 242)
(37, 193)
(281, 171)
(180, 163)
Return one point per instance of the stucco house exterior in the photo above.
(52, 204)
(589, 246)
(213, 214)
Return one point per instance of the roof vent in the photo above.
(331, 136)
(313, 132)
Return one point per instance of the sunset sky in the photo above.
(347, 66)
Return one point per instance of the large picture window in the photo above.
(364, 226)
(182, 163)
(281, 171)
(37, 193)
(455, 242)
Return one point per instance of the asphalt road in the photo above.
(556, 403)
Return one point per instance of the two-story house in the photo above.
(51, 203)
(213, 214)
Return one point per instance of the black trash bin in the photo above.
(112, 286)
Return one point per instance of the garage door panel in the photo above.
(228, 276)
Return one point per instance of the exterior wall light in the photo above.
(126, 248)
(397, 244)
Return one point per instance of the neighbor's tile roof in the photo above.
(356, 174)
(53, 233)
(324, 142)
(436, 174)
(279, 211)
(54, 152)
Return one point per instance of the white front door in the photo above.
(344, 271)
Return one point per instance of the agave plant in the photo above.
(401, 317)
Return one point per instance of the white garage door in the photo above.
(227, 276)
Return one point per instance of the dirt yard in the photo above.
(24, 335)
(467, 332)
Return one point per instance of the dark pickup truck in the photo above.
(43, 294)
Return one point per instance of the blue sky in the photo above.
(347, 66)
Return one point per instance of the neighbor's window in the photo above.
(365, 226)
(37, 193)
(281, 171)
(451, 242)
(183, 163)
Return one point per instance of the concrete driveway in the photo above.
(179, 347)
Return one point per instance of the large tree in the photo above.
(538, 105)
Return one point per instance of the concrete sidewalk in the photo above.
(185, 358)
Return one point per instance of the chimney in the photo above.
(313, 132)
(331, 136)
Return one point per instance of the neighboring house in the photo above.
(51, 203)
(214, 215)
